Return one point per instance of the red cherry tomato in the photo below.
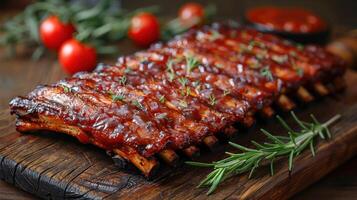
(54, 33)
(144, 29)
(75, 56)
(190, 12)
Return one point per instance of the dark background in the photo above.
(337, 12)
(20, 75)
(341, 12)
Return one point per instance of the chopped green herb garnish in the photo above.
(188, 91)
(196, 83)
(183, 103)
(267, 73)
(118, 97)
(214, 35)
(243, 48)
(300, 71)
(183, 81)
(292, 53)
(213, 100)
(66, 89)
(191, 63)
(259, 56)
(226, 92)
(170, 70)
(139, 105)
(254, 43)
(162, 99)
(280, 59)
(198, 87)
(161, 116)
(123, 80)
(127, 70)
(300, 46)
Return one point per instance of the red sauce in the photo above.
(295, 20)
(196, 102)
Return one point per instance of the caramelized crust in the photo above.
(174, 95)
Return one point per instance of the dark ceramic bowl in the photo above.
(321, 37)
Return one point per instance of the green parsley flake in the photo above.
(213, 100)
(170, 69)
(118, 97)
(183, 104)
(226, 92)
(300, 71)
(123, 80)
(215, 35)
(267, 73)
(66, 89)
(139, 105)
(183, 81)
(161, 116)
(191, 63)
(162, 99)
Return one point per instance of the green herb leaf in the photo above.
(66, 89)
(139, 105)
(123, 80)
(226, 92)
(213, 100)
(191, 63)
(161, 116)
(118, 97)
(183, 81)
(162, 99)
(267, 73)
(249, 159)
(300, 72)
(170, 70)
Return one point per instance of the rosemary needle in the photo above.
(279, 146)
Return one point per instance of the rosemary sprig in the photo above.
(279, 146)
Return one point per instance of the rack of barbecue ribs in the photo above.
(179, 95)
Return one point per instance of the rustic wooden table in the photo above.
(20, 75)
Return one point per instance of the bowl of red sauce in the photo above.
(298, 24)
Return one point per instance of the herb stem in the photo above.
(250, 158)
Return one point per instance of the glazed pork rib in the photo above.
(175, 96)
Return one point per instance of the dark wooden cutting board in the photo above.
(56, 166)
